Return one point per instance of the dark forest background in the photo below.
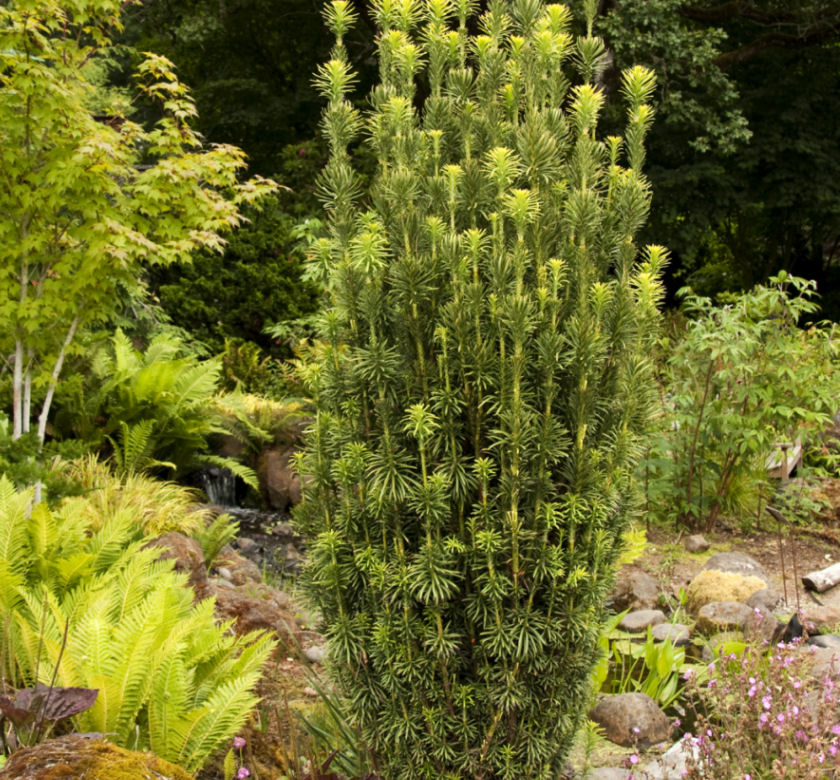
(744, 157)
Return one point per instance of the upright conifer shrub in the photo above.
(482, 385)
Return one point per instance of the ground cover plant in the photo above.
(482, 385)
(85, 603)
(762, 715)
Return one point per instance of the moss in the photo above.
(711, 585)
(75, 756)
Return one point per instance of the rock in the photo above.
(247, 546)
(831, 641)
(606, 773)
(712, 585)
(258, 612)
(240, 569)
(635, 589)
(188, 556)
(820, 619)
(631, 719)
(761, 626)
(283, 529)
(292, 558)
(671, 765)
(279, 485)
(766, 599)
(316, 654)
(737, 563)
(640, 620)
(823, 662)
(722, 616)
(696, 543)
(224, 573)
(676, 632)
(76, 756)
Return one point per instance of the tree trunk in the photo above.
(17, 392)
(59, 361)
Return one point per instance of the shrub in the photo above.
(234, 294)
(763, 716)
(92, 601)
(481, 386)
(739, 378)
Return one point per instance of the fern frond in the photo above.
(245, 473)
(204, 730)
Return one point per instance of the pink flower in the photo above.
(835, 729)
(634, 759)
(239, 743)
(242, 773)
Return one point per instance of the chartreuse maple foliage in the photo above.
(482, 385)
(86, 197)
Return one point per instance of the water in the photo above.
(218, 484)
(265, 536)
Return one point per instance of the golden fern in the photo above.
(169, 676)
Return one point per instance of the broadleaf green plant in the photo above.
(482, 384)
(737, 379)
(84, 605)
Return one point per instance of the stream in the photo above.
(265, 535)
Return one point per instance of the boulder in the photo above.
(766, 599)
(606, 773)
(641, 619)
(188, 556)
(317, 654)
(737, 563)
(260, 609)
(676, 632)
(823, 662)
(820, 620)
(722, 616)
(761, 627)
(711, 585)
(671, 765)
(279, 484)
(635, 589)
(696, 543)
(91, 758)
(830, 641)
(631, 719)
(240, 569)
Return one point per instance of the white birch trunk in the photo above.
(17, 391)
(59, 362)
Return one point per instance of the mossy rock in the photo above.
(711, 585)
(75, 756)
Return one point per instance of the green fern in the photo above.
(220, 532)
(155, 410)
(133, 451)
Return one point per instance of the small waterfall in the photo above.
(219, 485)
